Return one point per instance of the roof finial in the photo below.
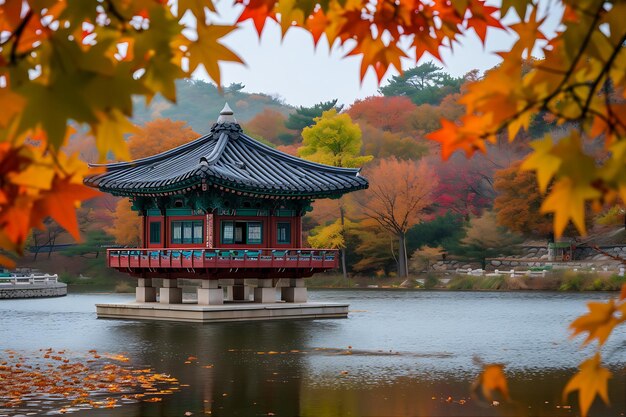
(226, 115)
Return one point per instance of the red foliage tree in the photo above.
(385, 113)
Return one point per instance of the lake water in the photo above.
(399, 353)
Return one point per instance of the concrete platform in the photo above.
(222, 313)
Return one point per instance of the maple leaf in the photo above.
(591, 380)
(378, 56)
(258, 11)
(317, 24)
(208, 51)
(196, 7)
(492, 380)
(290, 15)
(567, 201)
(110, 134)
(529, 31)
(598, 322)
(60, 203)
(482, 18)
(11, 105)
(542, 161)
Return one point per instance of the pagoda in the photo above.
(224, 209)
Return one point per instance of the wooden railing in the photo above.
(222, 258)
(29, 279)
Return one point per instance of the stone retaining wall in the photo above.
(33, 290)
(585, 258)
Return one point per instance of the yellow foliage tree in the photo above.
(334, 140)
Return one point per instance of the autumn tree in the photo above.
(305, 117)
(424, 84)
(485, 238)
(424, 258)
(518, 202)
(376, 248)
(158, 136)
(126, 227)
(384, 144)
(465, 186)
(385, 113)
(399, 196)
(334, 140)
(270, 125)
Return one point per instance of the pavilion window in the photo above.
(283, 233)
(187, 232)
(155, 233)
(228, 232)
(241, 233)
(254, 233)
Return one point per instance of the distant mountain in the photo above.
(199, 104)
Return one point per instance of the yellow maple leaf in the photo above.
(591, 380)
(208, 51)
(290, 14)
(110, 132)
(598, 322)
(542, 161)
(567, 201)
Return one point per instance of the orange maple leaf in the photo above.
(492, 380)
(258, 11)
(591, 380)
(598, 322)
(60, 203)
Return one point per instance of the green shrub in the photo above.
(431, 281)
(463, 282)
(572, 283)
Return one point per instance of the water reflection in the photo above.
(411, 354)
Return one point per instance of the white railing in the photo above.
(29, 279)
(511, 272)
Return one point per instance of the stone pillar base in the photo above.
(145, 294)
(171, 295)
(210, 296)
(294, 294)
(264, 295)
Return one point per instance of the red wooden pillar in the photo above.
(298, 227)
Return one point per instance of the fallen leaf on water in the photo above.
(490, 381)
(153, 400)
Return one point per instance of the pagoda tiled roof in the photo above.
(230, 160)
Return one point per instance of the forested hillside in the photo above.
(199, 103)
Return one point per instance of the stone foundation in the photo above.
(228, 312)
(33, 290)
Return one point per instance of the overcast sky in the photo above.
(302, 75)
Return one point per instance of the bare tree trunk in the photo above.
(403, 270)
(344, 269)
